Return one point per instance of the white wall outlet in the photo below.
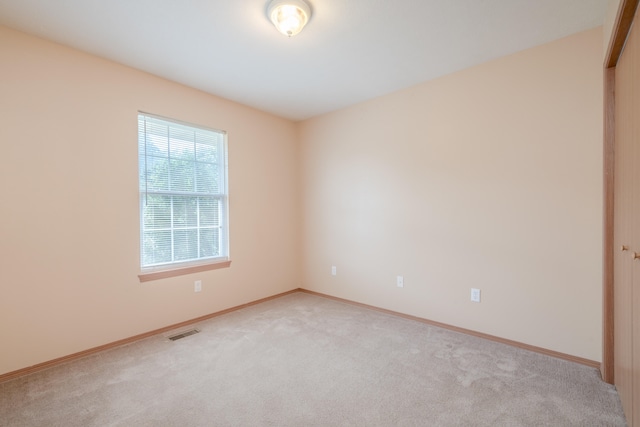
(197, 286)
(400, 282)
(475, 295)
(334, 270)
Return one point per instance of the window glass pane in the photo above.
(157, 174)
(207, 178)
(181, 148)
(182, 175)
(142, 171)
(157, 145)
(209, 212)
(209, 242)
(156, 211)
(156, 247)
(156, 137)
(206, 153)
(156, 128)
(208, 138)
(185, 211)
(185, 244)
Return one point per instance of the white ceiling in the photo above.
(351, 50)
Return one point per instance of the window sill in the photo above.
(181, 271)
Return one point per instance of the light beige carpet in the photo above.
(304, 360)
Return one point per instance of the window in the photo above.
(183, 194)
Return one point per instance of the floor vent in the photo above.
(183, 334)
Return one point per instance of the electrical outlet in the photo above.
(475, 295)
(334, 270)
(197, 286)
(400, 282)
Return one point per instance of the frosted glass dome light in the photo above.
(289, 16)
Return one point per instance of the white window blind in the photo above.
(183, 193)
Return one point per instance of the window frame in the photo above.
(178, 268)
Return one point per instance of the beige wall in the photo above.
(487, 178)
(69, 222)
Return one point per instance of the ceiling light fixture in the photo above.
(289, 16)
